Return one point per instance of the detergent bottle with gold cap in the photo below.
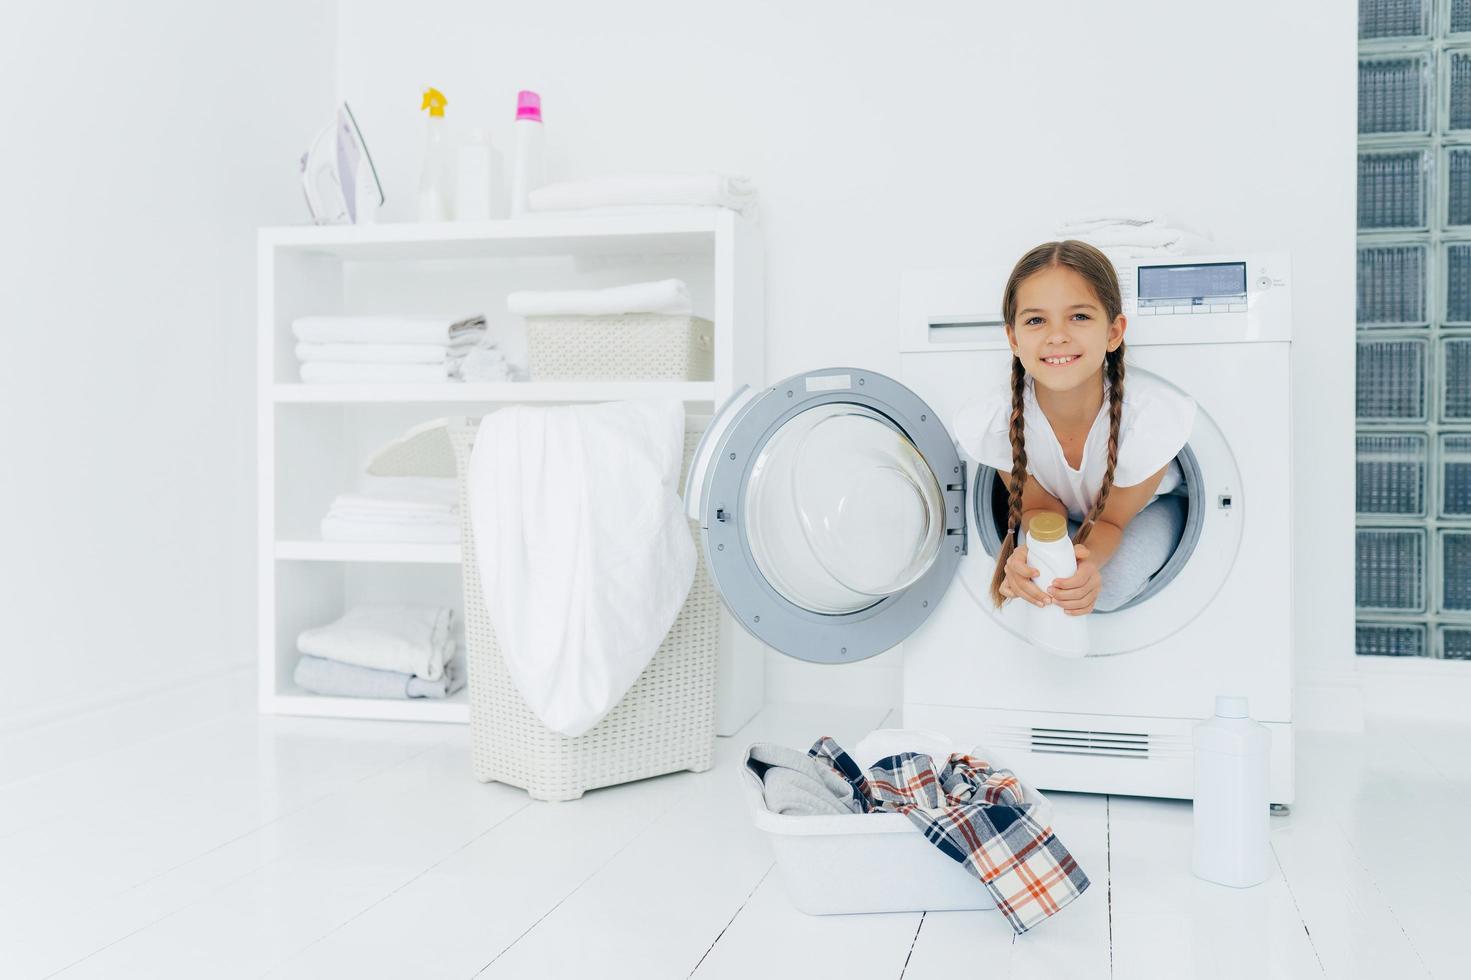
(1050, 552)
(436, 181)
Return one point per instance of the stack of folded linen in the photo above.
(669, 296)
(396, 508)
(382, 651)
(404, 349)
(1144, 235)
(644, 191)
(487, 362)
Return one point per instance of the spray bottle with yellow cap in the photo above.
(1051, 552)
(435, 195)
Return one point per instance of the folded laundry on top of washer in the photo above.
(985, 818)
(1123, 233)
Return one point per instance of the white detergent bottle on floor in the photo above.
(526, 164)
(435, 180)
(1230, 809)
(1050, 552)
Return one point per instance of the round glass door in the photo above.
(831, 509)
(842, 510)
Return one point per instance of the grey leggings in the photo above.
(1147, 544)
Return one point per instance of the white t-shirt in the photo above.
(1155, 424)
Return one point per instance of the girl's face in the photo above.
(1061, 331)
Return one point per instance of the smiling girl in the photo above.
(1076, 439)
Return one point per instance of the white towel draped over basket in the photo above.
(583, 551)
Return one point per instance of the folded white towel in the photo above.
(396, 508)
(331, 677)
(664, 296)
(620, 209)
(345, 508)
(385, 353)
(407, 638)
(1114, 216)
(1170, 239)
(385, 329)
(441, 491)
(581, 587)
(736, 193)
(346, 529)
(330, 372)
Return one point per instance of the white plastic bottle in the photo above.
(1050, 552)
(526, 164)
(436, 179)
(474, 195)
(1231, 810)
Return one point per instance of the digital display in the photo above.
(1192, 282)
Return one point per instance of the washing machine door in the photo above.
(832, 507)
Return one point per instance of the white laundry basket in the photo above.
(861, 862)
(625, 347)
(665, 723)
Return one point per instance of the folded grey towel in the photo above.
(322, 676)
(793, 782)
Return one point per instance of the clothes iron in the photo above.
(338, 176)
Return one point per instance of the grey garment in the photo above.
(333, 677)
(1148, 541)
(793, 782)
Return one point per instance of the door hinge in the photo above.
(958, 508)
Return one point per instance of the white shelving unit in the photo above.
(314, 439)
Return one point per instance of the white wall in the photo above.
(938, 135)
(143, 145)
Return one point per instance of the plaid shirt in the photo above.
(975, 815)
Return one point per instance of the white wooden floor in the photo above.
(191, 838)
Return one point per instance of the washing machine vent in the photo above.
(1072, 741)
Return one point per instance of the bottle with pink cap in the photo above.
(526, 165)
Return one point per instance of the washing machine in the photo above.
(841, 519)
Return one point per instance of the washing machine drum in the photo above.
(832, 507)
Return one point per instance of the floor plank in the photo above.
(132, 839)
(1073, 943)
(659, 906)
(1393, 804)
(466, 908)
(1168, 923)
(768, 936)
(246, 846)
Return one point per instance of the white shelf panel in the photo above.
(454, 709)
(308, 454)
(528, 391)
(369, 551)
(675, 230)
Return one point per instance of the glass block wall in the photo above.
(1413, 535)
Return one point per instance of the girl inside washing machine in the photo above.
(1078, 435)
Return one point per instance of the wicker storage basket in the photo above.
(665, 723)
(628, 347)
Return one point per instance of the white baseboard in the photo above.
(66, 709)
(1328, 701)
(1415, 688)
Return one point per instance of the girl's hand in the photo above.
(1019, 579)
(1077, 594)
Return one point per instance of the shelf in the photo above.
(675, 230)
(313, 438)
(369, 551)
(528, 391)
(455, 709)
